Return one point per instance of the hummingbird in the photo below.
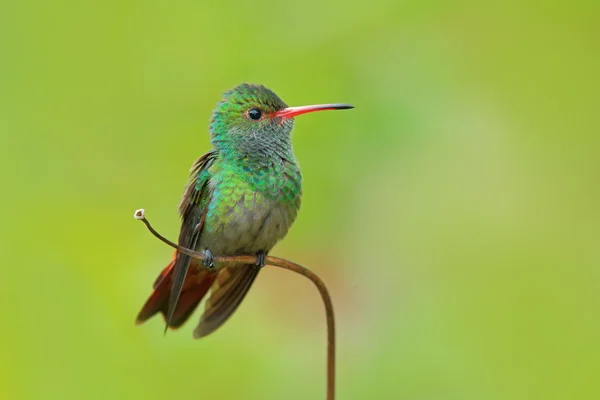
(241, 198)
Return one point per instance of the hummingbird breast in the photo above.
(252, 207)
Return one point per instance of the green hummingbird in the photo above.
(241, 198)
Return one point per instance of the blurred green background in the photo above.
(454, 213)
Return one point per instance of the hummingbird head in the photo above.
(253, 120)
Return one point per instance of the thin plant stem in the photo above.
(280, 263)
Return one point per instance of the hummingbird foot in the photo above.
(209, 259)
(261, 259)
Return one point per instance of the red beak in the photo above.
(291, 112)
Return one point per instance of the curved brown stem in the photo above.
(280, 263)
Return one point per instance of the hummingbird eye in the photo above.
(254, 114)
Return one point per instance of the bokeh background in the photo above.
(454, 213)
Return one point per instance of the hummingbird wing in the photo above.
(193, 208)
(196, 284)
(227, 292)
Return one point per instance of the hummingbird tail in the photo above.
(196, 285)
(228, 291)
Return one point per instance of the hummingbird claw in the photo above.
(261, 259)
(209, 259)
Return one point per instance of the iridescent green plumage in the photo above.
(241, 199)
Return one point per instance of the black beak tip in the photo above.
(343, 106)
